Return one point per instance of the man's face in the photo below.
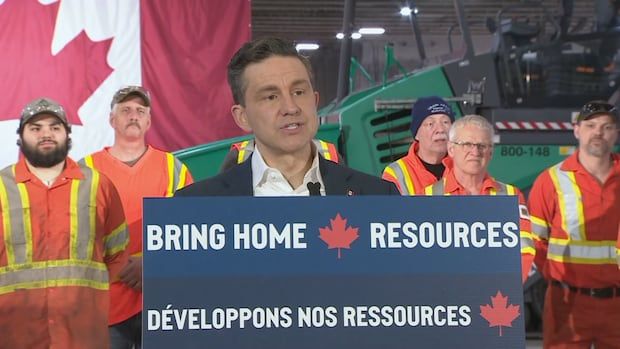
(280, 106)
(472, 150)
(433, 134)
(130, 119)
(44, 141)
(597, 135)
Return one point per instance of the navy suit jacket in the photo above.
(338, 180)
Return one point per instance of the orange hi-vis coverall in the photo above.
(409, 173)
(448, 185)
(156, 174)
(59, 246)
(575, 226)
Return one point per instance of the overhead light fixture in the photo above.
(306, 46)
(405, 11)
(354, 36)
(415, 11)
(371, 31)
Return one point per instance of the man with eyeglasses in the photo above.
(470, 148)
(575, 208)
(431, 118)
(137, 170)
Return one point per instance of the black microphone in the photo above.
(314, 188)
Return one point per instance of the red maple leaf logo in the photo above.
(29, 70)
(339, 236)
(500, 313)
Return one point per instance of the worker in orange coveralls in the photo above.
(575, 208)
(62, 238)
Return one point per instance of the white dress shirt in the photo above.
(268, 181)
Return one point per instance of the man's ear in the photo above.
(316, 99)
(240, 116)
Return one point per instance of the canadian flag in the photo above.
(79, 52)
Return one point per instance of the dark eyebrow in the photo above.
(268, 88)
(300, 82)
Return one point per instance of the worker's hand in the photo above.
(131, 274)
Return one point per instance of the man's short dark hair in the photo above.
(257, 51)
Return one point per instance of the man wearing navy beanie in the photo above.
(431, 118)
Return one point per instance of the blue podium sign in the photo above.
(332, 272)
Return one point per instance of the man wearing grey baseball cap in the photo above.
(64, 236)
(137, 170)
(425, 163)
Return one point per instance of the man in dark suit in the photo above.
(272, 89)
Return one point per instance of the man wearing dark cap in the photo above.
(63, 237)
(431, 118)
(137, 170)
(574, 209)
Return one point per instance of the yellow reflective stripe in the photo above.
(558, 188)
(438, 188)
(580, 260)
(406, 180)
(6, 223)
(92, 208)
(528, 250)
(390, 172)
(510, 190)
(170, 165)
(54, 263)
(579, 206)
(182, 177)
(242, 151)
(137, 254)
(73, 219)
(527, 244)
(492, 192)
(540, 228)
(570, 202)
(55, 283)
(117, 240)
(526, 234)
(588, 252)
(54, 273)
(325, 150)
(597, 243)
(23, 194)
(88, 160)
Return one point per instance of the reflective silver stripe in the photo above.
(41, 274)
(539, 228)
(438, 187)
(117, 240)
(85, 234)
(503, 189)
(592, 254)
(400, 177)
(16, 213)
(178, 167)
(570, 201)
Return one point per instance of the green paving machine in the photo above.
(531, 85)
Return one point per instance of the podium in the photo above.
(332, 272)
